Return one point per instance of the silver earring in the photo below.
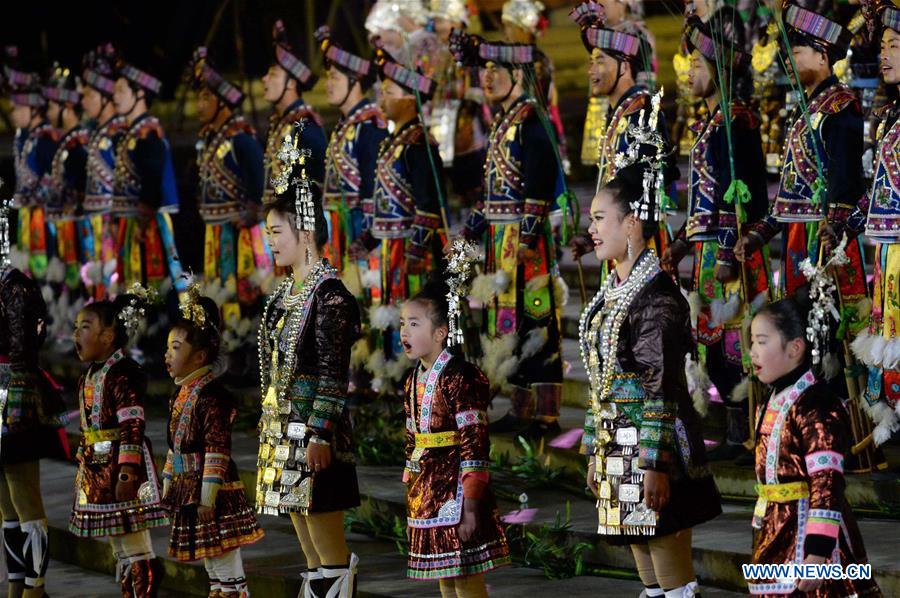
(628, 240)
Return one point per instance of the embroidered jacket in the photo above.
(230, 166)
(883, 222)
(33, 150)
(835, 140)
(67, 174)
(145, 173)
(406, 194)
(351, 156)
(100, 184)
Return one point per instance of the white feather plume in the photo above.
(724, 311)
(384, 317)
(698, 384)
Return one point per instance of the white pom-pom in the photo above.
(698, 384)
(861, 347)
(482, 289)
(371, 279)
(537, 283)
(502, 279)
(724, 311)
(534, 342)
(891, 355)
(56, 270)
(696, 304)
(499, 361)
(109, 268)
(384, 317)
(741, 391)
(560, 292)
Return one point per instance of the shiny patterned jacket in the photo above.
(406, 194)
(351, 157)
(100, 185)
(883, 222)
(230, 167)
(144, 171)
(710, 216)
(455, 413)
(803, 435)
(117, 404)
(199, 454)
(836, 137)
(520, 174)
(33, 150)
(312, 138)
(67, 174)
(30, 399)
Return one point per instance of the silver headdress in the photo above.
(289, 155)
(822, 291)
(641, 137)
(460, 267)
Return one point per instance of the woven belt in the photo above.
(427, 440)
(783, 492)
(94, 436)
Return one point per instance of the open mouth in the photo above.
(406, 347)
(78, 347)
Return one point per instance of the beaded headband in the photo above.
(31, 98)
(58, 89)
(704, 44)
(813, 24)
(612, 41)
(287, 60)
(890, 18)
(588, 14)
(337, 56)
(290, 155)
(140, 78)
(204, 74)
(460, 268)
(408, 79)
(99, 70)
(527, 14)
(640, 136)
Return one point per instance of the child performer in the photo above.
(454, 531)
(116, 490)
(211, 518)
(803, 435)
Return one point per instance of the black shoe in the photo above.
(508, 423)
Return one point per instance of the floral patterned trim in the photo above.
(824, 461)
(127, 413)
(471, 417)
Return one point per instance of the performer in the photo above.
(33, 150)
(352, 149)
(67, 172)
(726, 157)
(803, 436)
(230, 165)
(647, 459)
(211, 518)
(447, 456)
(117, 494)
(523, 22)
(146, 193)
(305, 464)
(458, 118)
(98, 234)
(286, 80)
(31, 408)
(409, 185)
(520, 187)
(821, 179)
(878, 347)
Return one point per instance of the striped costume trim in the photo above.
(471, 417)
(824, 523)
(215, 465)
(813, 24)
(130, 453)
(824, 461)
(127, 413)
(474, 465)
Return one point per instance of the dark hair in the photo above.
(149, 96)
(108, 313)
(285, 204)
(207, 338)
(434, 296)
(790, 315)
(627, 187)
